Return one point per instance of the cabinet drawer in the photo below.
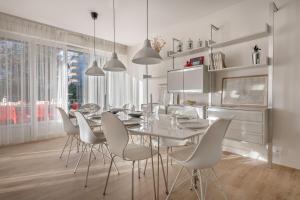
(246, 136)
(253, 116)
(256, 127)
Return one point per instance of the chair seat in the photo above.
(138, 152)
(100, 136)
(183, 154)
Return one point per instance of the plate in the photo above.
(131, 122)
(95, 117)
(116, 110)
(135, 114)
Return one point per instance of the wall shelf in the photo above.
(187, 68)
(246, 38)
(189, 52)
(240, 67)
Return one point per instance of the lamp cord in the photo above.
(147, 19)
(114, 18)
(94, 38)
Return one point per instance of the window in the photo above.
(77, 63)
(14, 82)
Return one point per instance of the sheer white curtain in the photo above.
(120, 87)
(32, 84)
(51, 89)
(15, 92)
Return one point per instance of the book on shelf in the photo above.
(217, 61)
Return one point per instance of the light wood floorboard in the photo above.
(33, 171)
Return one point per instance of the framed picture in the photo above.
(245, 91)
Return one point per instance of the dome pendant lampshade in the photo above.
(147, 55)
(114, 64)
(94, 69)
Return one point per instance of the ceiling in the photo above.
(130, 15)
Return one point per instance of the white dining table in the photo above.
(161, 126)
(165, 126)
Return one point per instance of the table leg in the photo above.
(158, 168)
(152, 163)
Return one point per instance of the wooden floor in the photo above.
(33, 171)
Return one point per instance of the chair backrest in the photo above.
(209, 150)
(69, 127)
(90, 108)
(115, 133)
(86, 133)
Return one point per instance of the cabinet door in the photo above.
(175, 81)
(193, 80)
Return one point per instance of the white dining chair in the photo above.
(169, 144)
(72, 132)
(203, 156)
(89, 137)
(117, 139)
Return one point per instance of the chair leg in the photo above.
(220, 185)
(171, 158)
(111, 162)
(145, 167)
(139, 170)
(132, 181)
(64, 147)
(201, 185)
(78, 143)
(88, 169)
(103, 157)
(173, 185)
(164, 175)
(80, 158)
(115, 166)
(93, 153)
(168, 148)
(69, 151)
(194, 180)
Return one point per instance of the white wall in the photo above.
(286, 84)
(241, 19)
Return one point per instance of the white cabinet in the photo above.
(190, 80)
(247, 125)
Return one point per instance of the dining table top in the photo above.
(165, 126)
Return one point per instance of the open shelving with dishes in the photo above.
(242, 67)
(246, 38)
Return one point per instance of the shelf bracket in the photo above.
(274, 7)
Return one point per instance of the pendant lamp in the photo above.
(114, 64)
(94, 69)
(147, 55)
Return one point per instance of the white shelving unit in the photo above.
(246, 38)
(189, 52)
(240, 67)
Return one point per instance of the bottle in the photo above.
(256, 55)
